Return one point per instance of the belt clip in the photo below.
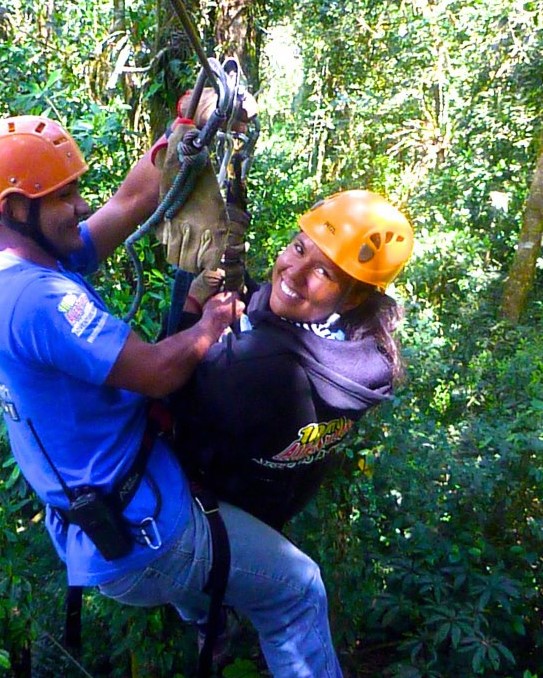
(206, 512)
(150, 533)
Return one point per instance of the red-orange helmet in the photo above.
(37, 156)
(362, 233)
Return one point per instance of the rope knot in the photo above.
(186, 146)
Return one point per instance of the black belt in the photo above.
(123, 492)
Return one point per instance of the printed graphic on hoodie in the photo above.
(314, 442)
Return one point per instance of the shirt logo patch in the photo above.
(7, 406)
(78, 310)
(314, 442)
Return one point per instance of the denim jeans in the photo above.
(271, 582)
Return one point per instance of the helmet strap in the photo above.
(345, 297)
(31, 227)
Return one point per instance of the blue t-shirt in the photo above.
(58, 343)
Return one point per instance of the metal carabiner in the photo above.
(151, 536)
(224, 111)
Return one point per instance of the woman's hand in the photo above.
(204, 286)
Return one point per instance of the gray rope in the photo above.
(192, 161)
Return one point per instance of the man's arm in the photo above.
(137, 197)
(133, 203)
(156, 370)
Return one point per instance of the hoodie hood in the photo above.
(347, 375)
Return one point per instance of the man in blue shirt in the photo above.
(74, 387)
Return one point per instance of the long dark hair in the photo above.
(379, 315)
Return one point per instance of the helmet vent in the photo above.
(389, 236)
(365, 254)
(40, 127)
(59, 140)
(376, 239)
(11, 127)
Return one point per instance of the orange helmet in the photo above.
(37, 156)
(362, 233)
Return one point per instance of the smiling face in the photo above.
(59, 215)
(307, 286)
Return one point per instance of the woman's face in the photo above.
(307, 286)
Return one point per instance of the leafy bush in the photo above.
(430, 531)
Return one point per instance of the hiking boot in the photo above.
(223, 643)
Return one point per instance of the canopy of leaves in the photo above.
(430, 531)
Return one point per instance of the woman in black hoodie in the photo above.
(265, 409)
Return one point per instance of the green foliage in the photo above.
(279, 192)
(430, 530)
(16, 508)
(438, 549)
(4, 660)
(241, 668)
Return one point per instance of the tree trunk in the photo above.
(172, 56)
(522, 272)
(235, 35)
(119, 16)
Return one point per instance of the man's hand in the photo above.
(222, 310)
(195, 237)
(156, 370)
(208, 103)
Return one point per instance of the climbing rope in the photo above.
(192, 151)
(191, 162)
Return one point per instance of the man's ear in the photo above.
(16, 207)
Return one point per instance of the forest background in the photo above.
(430, 531)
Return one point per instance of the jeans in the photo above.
(271, 582)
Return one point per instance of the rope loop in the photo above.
(191, 164)
(186, 146)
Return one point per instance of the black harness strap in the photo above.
(218, 574)
(180, 289)
(72, 623)
(207, 502)
(122, 495)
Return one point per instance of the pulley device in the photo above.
(186, 187)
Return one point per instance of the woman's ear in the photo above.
(357, 294)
